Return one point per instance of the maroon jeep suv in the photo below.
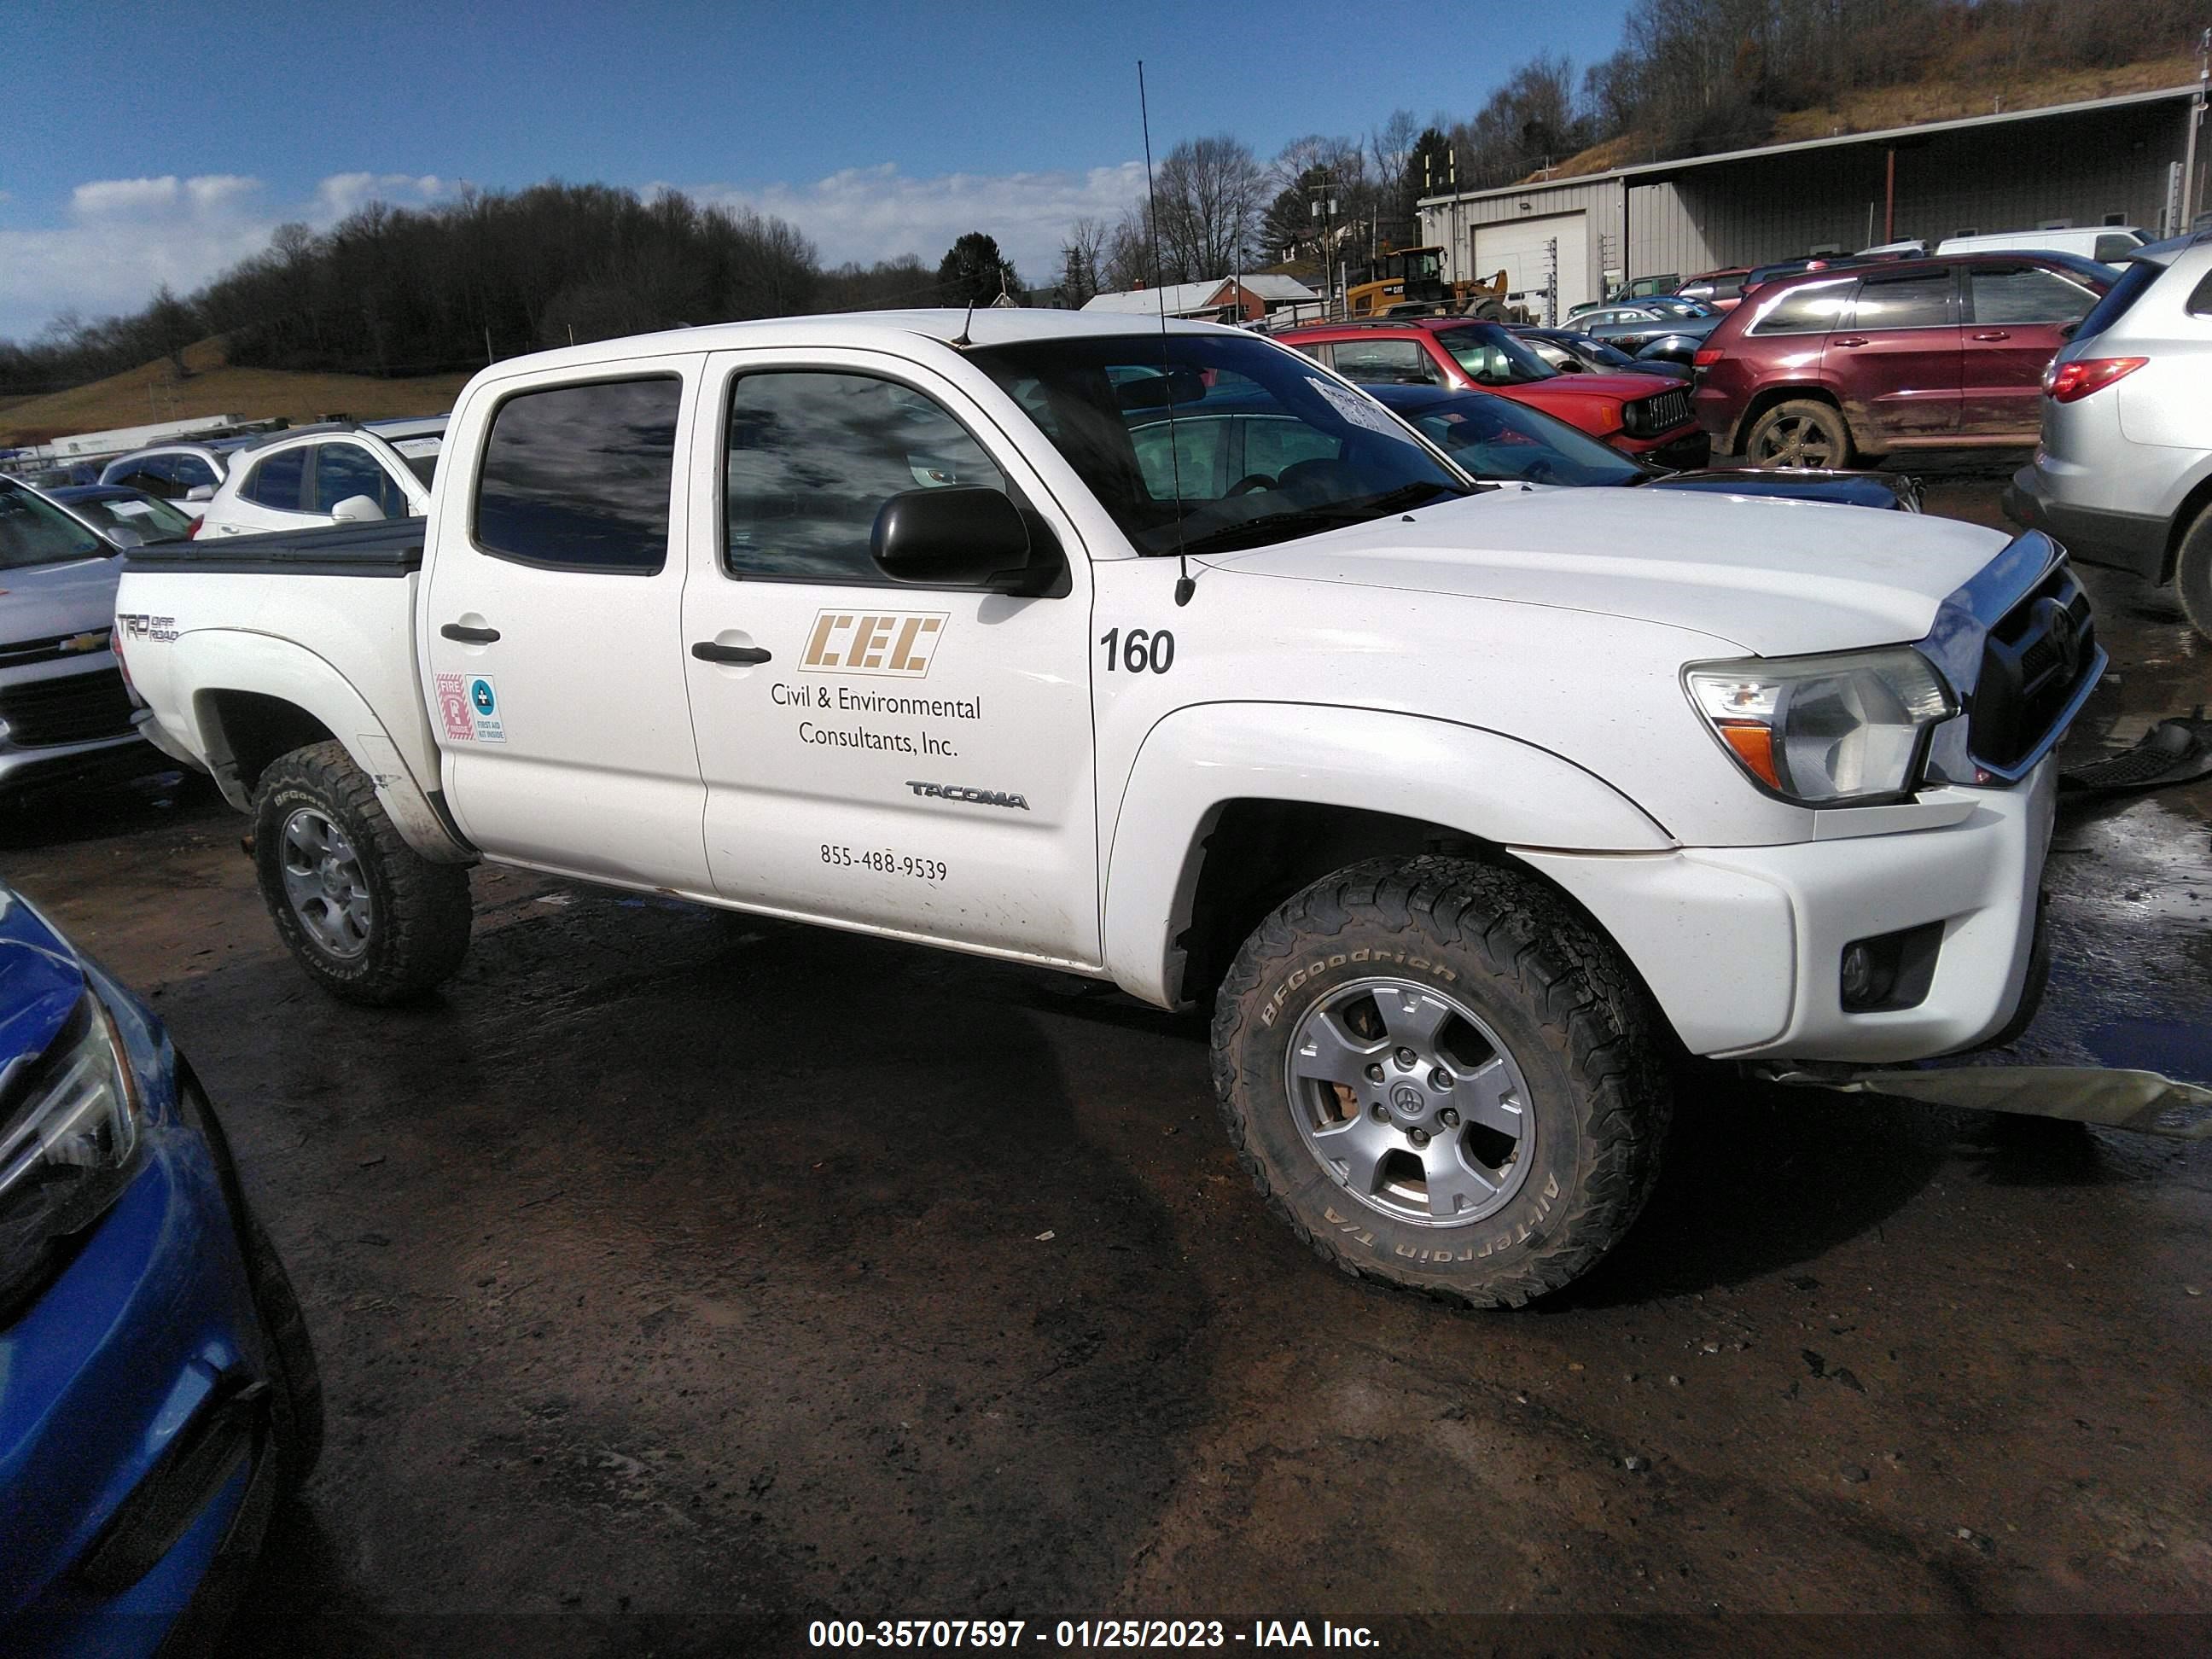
(1916, 354)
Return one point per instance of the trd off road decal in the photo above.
(468, 709)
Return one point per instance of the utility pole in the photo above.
(1323, 206)
(2189, 197)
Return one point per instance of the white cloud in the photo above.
(867, 214)
(120, 239)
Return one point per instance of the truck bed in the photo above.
(388, 548)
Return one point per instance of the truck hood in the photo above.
(43, 601)
(1626, 386)
(1773, 578)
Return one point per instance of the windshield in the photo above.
(35, 532)
(1263, 446)
(151, 520)
(1491, 356)
(1497, 438)
(1612, 357)
(420, 455)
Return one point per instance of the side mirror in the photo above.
(964, 537)
(124, 538)
(357, 509)
(200, 493)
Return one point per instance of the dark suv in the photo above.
(1916, 354)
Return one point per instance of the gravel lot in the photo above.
(678, 1278)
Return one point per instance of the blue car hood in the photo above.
(41, 982)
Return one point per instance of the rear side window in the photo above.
(1807, 308)
(2028, 295)
(2120, 298)
(578, 476)
(1921, 301)
(278, 481)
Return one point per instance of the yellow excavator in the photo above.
(1410, 280)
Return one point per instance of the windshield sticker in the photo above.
(468, 709)
(1354, 408)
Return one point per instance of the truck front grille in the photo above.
(74, 709)
(2034, 662)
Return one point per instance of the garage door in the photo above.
(1520, 249)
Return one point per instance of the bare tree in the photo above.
(1080, 252)
(1210, 191)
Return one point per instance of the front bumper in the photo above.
(137, 1467)
(1681, 450)
(1742, 946)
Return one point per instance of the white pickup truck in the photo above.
(1165, 657)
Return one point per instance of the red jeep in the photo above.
(1648, 416)
(1914, 354)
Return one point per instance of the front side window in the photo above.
(191, 473)
(1293, 452)
(1386, 362)
(2028, 295)
(345, 471)
(1922, 301)
(151, 473)
(578, 478)
(279, 481)
(812, 455)
(1805, 309)
(1491, 356)
(35, 532)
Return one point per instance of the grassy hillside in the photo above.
(1927, 100)
(153, 393)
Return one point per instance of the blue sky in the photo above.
(144, 141)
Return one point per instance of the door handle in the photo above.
(707, 651)
(1994, 334)
(1849, 340)
(468, 636)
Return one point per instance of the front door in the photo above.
(551, 630)
(2014, 316)
(1895, 367)
(879, 754)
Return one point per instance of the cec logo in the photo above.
(854, 642)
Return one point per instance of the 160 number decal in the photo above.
(1138, 651)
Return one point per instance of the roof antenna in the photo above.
(1185, 585)
(963, 343)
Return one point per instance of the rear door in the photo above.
(2014, 316)
(1895, 366)
(551, 629)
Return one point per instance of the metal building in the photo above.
(2111, 160)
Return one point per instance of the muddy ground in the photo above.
(678, 1278)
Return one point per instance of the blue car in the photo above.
(158, 1393)
(1502, 442)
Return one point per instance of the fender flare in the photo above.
(1201, 758)
(216, 660)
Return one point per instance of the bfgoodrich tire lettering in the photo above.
(405, 927)
(1552, 995)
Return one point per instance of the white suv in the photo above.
(321, 475)
(2124, 474)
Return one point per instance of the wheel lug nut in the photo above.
(1449, 1118)
(1382, 1113)
(1420, 1137)
(1440, 1078)
(1407, 1059)
(1375, 1075)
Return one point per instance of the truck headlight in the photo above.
(1848, 728)
(68, 1140)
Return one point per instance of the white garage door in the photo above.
(1521, 249)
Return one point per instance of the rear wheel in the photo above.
(2192, 574)
(1799, 434)
(1442, 1077)
(370, 919)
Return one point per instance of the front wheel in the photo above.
(2192, 575)
(1443, 1079)
(1800, 434)
(370, 919)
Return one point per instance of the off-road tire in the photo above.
(2192, 574)
(1835, 432)
(420, 910)
(1574, 1016)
